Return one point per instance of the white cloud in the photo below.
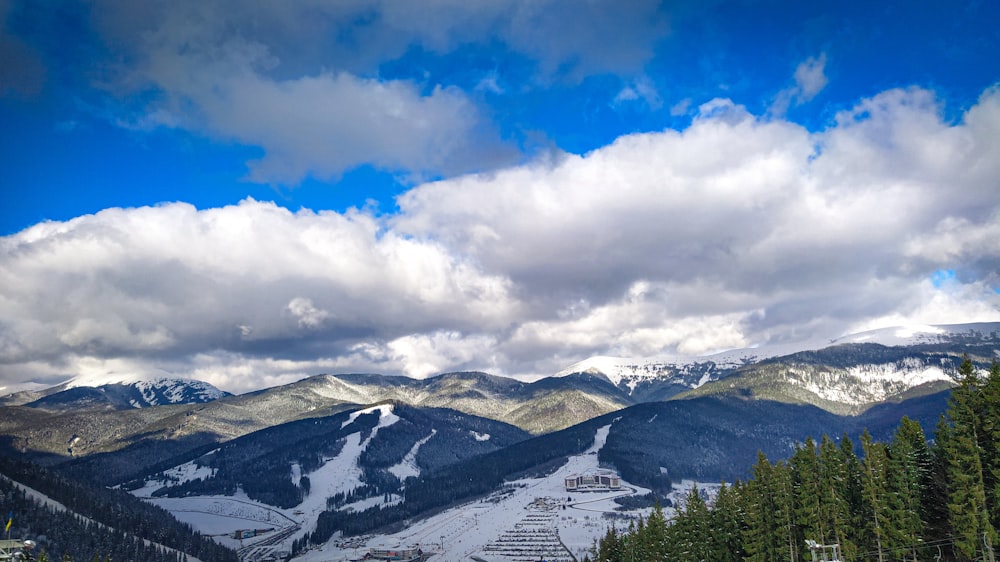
(681, 107)
(318, 125)
(640, 89)
(170, 281)
(423, 355)
(301, 81)
(306, 312)
(810, 79)
(735, 231)
(958, 304)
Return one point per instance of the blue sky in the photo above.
(67, 153)
(451, 126)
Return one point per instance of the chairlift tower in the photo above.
(824, 552)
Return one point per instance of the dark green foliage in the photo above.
(633, 502)
(147, 456)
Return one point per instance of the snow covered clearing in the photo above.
(408, 466)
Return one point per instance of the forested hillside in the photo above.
(896, 500)
(100, 524)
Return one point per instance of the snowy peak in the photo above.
(846, 374)
(925, 334)
(665, 377)
(613, 368)
(122, 392)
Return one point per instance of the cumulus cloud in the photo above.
(252, 279)
(739, 230)
(755, 222)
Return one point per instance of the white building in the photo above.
(396, 553)
(593, 481)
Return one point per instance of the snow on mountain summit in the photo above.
(614, 368)
(94, 381)
(695, 371)
(140, 391)
(919, 333)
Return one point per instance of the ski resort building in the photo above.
(593, 481)
(395, 553)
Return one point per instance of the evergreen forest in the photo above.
(95, 523)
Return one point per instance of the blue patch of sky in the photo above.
(942, 277)
(59, 170)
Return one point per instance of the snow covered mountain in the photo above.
(843, 375)
(117, 392)
(848, 375)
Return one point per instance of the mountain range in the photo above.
(403, 447)
(115, 392)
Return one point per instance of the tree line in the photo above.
(905, 500)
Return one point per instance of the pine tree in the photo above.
(610, 548)
(630, 544)
(853, 490)
(909, 464)
(935, 500)
(768, 534)
(809, 513)
(991, 442)
(655, 536)
(967, 509)
(876, 488)
(838, 481)
(727, 524)
(691, 532)
(785, 512)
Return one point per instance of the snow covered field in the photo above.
(532, 513)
